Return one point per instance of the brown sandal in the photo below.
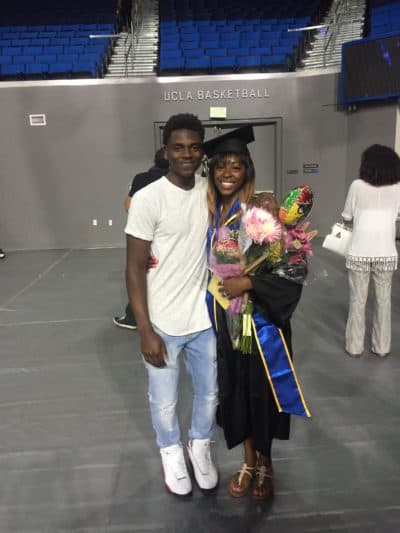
(239, 484)
(264, 483)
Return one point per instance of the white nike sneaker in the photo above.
(176, 475)
(204, 469)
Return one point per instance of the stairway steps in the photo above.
(350, 28)
(137, 55)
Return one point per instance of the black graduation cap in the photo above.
(235, 141)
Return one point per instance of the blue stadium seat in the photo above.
(17, 60)
(262, 27)
(60, 68)
(172, 64)
(80, 40)
(67, 58)
(238, 51)
(67, 33)
(46, 59)
(29, 35)
(222, 63)
(260, 50)
(40, 41)
(12, 51)
(32, 50)
(281, 50)
(245, 62)
(197, 63)
(11, 35)
(47, 34)
(170, 53)
(74, 49)
(37, 69)
(216, 52)
(53, 50)
(194, 52)
(5, 59)
(21, 42)
(98, 49)
(248, 43)
(12, 71)
(82, 33)
(250, 35)
(189, 45)
(88, 58)
(63, 41)
(85, 68)
(275, 60)
(190, 37)
(169, 45)
(205, 43)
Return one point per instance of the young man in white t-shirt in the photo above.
(168, 220)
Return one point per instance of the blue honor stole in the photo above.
(279, 369)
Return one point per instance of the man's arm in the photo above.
(137, 257)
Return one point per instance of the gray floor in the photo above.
(77, 452)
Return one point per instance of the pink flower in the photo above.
(261, 226)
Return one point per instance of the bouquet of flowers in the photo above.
(240, 252)
(260, 240)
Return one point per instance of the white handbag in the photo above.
(339, 239)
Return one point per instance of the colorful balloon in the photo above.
(296, 205)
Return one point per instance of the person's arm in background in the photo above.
(349, 206)
(127, 203)
(128, 199)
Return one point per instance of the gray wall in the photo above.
(55, 180)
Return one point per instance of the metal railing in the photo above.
(135, 23)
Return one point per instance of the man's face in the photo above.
(184, 152)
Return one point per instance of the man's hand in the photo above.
(233, 287)
(153, 349)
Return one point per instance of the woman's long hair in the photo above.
(380, 165)
(248, 187)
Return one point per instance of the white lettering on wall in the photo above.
(216, 94)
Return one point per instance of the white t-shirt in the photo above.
(374, 211)
(175, 221)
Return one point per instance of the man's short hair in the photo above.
(183, 121)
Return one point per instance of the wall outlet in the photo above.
(110, 222)
(95, 222)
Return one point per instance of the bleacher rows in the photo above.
(230, 44)
(54, 50)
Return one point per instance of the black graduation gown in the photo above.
(246, 405)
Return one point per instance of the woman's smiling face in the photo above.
(229, 176)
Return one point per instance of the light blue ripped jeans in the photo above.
(199, 352)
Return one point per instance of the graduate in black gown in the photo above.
(250, 410)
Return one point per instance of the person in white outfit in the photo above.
(372, 206)
(168, 220)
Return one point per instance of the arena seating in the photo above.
(212, 36)
(384, 17)
(56, 43)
